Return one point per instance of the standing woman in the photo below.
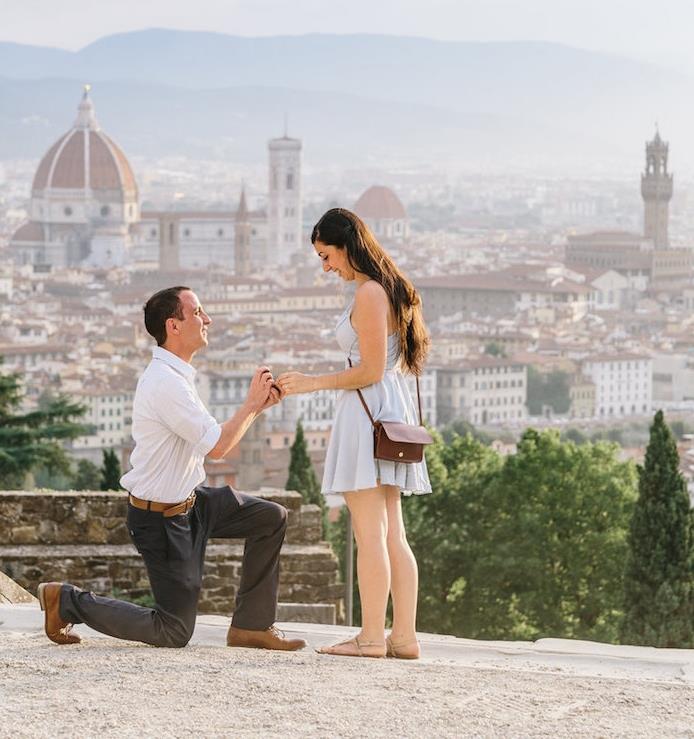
(383, 335)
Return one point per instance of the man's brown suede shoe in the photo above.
(271, 638)
(57, 630)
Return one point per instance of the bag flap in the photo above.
(405, 433)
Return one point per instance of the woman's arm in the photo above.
(370, 322)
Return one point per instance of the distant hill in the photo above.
(237, 122)
(479, 102)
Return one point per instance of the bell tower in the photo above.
(242, 238)
(284, 201)
(656, 190)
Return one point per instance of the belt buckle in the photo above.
(190, 502)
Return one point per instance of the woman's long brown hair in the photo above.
(345, 230)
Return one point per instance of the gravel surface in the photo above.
(108, 688)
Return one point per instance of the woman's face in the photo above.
(334, 260)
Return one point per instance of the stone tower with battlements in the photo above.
(656, 190)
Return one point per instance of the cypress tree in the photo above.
(110, 471)
(659, 578)
(87, 476)
(302, 476)
(34, 440)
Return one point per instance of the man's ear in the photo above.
(171, 326)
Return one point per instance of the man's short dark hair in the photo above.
(161, 306)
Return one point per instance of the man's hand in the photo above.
(273, 398)
(260, 390)
(294, 383)
(262, 394)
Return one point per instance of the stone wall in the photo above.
(81, 537)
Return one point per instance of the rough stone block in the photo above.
(24, 535)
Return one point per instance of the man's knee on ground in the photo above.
(175, 640)
(174, 635)
(179, 641)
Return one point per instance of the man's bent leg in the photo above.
(172, 550)
(124, 620)
(262, 523)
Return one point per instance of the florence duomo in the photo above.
(85, 204)
(85, 211)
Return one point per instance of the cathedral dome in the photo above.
(85, 158)
(84, 201)
(384, 213)
(379, 202)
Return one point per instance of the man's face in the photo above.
(193, 328)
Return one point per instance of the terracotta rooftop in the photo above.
(190, 215)
(499, 282)
(199, 215)
(625, 357)
(10, 350)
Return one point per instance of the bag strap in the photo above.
(368, 412)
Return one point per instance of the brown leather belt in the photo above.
(168, 509)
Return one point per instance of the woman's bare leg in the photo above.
(370, 525)
(404, 575)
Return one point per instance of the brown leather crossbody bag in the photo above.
(398, 442)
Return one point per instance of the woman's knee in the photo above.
(371, 537)
(397, 538)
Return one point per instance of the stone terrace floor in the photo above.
(460, 688)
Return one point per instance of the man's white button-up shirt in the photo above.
(172, 429)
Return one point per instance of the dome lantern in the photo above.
(85, 112)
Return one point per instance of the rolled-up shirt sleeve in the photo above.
(209, 440)
(180, 410)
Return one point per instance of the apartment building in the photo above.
(483, 391)
(623, 383)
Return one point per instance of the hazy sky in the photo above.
(656, 31)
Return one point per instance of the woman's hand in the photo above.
(295, 383)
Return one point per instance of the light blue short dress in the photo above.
(349, 461)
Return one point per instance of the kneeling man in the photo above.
(170, 515)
